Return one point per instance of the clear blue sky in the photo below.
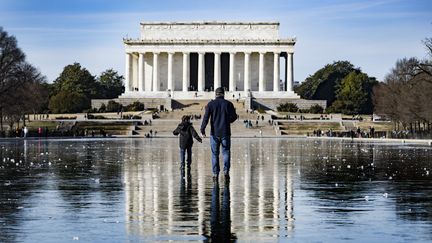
(371, 34)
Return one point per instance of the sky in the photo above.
(371, 34)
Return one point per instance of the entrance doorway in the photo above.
(209, 72)
(193, 72)
(225, 70)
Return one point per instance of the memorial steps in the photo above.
(168, 121)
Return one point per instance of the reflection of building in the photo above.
(260, 193)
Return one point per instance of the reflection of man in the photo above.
(220, 218)
(221, 114)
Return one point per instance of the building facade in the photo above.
(184, 60)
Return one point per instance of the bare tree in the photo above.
(11, 58)
(404, 96)
(21, 89)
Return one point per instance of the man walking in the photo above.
(221, 114)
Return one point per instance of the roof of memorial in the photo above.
(208, 23)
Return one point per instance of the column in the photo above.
(128, 71)
(290, 71)
(276, 72)
(231, 72)
(170, 71)
(217, 80)
(246, 71)
(185, 71)
(201, 71)
(155, 71)
(261, 72)
(141, 72)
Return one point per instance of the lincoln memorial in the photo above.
(188, 60)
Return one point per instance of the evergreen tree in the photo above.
(111, 84)
(354, 94)
(322, 84)
(75, 78)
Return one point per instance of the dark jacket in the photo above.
(186, 131)
(221, 114)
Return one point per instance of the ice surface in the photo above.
(131, 190)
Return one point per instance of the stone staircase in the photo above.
(168, 121)
(164, 128)
(348, 125)
(298, 127)
(196, 107)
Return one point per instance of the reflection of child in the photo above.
(187, 133)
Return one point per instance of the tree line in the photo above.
(405, 95)
(24, 90)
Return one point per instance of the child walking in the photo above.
(187, 133)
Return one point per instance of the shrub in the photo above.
(261, 110)
(102, 108)
(68, 102)
(136, 106)
(113, 106)
(65, 117)
(287, 107)
(316, 109)
(91, 116)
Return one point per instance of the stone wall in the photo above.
(250, 103)
(274, 103)
(148, 103)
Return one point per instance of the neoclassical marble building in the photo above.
(184, 60)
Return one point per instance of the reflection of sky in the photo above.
(131, 189)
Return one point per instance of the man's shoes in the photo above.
(215, 179)
(227, 177)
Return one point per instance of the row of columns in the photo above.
(201, 77)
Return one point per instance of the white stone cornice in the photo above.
(210, 48)
(290, 41)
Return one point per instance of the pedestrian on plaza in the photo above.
(221, 114)
(40, 131)
(186, 133)
(25, 131)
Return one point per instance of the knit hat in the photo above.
(219, 92)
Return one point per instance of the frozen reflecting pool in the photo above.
(131, 190)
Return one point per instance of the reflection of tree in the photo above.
(84, 169)
(74, 175)
(340, 177)
(332, 175)
(414, 206)
(17, 183)
(220, 218)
